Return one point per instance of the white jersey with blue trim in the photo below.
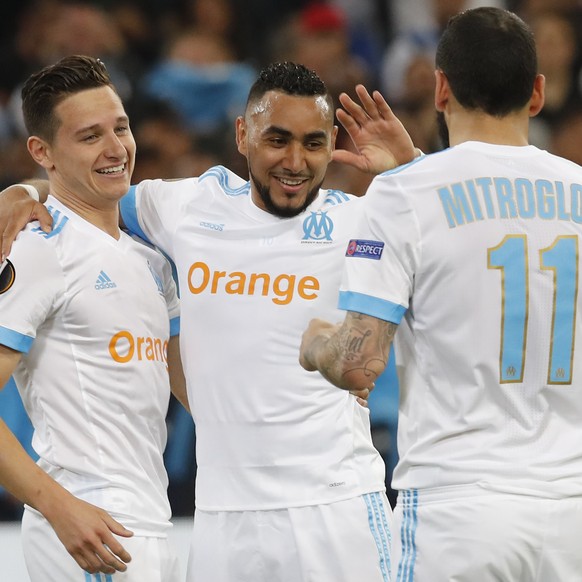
(93, 316)
(475, 252)
(268, 433)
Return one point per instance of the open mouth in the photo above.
(291, 185)
(113, 170)
(292, 181)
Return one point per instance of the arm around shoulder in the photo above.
(18, 208)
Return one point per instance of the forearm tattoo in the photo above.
(360, 347)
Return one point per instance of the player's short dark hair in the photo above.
(45, 89)
(290, 78)
(489, 58)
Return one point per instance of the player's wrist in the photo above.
(31, 190)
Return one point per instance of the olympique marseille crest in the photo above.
(318, 226)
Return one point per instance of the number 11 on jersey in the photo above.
(560, 259)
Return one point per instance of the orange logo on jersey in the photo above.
(281, 288)
(123, 347)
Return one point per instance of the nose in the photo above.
(114, 147)
(294, 160)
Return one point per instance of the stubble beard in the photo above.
(264, 193)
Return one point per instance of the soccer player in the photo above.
(470, 259)
(289, 486)
(86, 318)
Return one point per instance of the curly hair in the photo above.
(290, 78)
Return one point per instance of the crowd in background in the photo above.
(184, 68)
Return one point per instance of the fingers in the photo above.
(304, 361)
(40, 213)
(22, 214)
(10, 233)
(95, 548)
(348, 121)
(107, 557)
(350, 159)
(363, 394)
(381, 106)
(110, 551)
(370, 107)
(101, 557)
(359, 113)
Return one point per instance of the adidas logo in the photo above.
(104, 282)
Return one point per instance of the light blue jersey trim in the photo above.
(408, 536)
(420, 158)
(399, 169)
(368, 305)
(98, 577)
(59, 222)
(335, 197)
(221, 174)
(174, 326)
(380, 529)
(16, 341)
(128, 209)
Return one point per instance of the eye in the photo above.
(277, 141)
(122, 130)
(314, 145)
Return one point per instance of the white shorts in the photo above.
(480, 536)
(346, 541)
(47, 560)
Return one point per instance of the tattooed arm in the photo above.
(350, 355)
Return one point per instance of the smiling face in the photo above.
(287, 140)
(92, 155)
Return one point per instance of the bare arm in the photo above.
(85, 530)
(177, 380)
(17, 209)
(350, 355)
(381, 141)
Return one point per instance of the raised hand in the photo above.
(382, 143)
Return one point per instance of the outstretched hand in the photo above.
(382, 143)
(17, 209)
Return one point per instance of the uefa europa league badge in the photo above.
(7, 276)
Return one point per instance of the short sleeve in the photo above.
(31, 291)
(383, 254)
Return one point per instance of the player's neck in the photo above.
(477, 126)
(103, 216)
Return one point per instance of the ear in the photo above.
(39, 149)
(241, 135)
(538, 96)
(334, 133)
(442, 91)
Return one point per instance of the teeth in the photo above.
(113, 170)
(288, 182)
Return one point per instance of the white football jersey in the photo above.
(475, 252)
(93, 316)
(268, 433)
